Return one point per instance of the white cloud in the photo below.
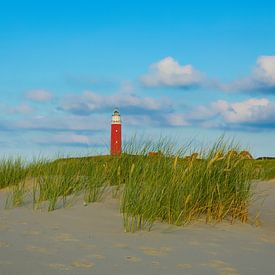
(262, 78)
(39, 95)
(168, 72)
(252, 113)
(249, 111)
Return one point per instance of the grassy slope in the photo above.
(13, 171)
(170, 189)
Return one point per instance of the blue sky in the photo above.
(183, 69)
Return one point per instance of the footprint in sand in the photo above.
(184, 266)
(213, 244)
(97, 256)
(22, 222)
(132, 259)
(65, 237)
(32, 233)
(87, 246)
(222, 267)
(36, 249)
(4, 244)
(83, 264)
(120, 245)
(154, 251)
(59, 266)
(215, 264)
(194, 243)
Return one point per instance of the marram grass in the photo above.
(213, 184)
(178, 191)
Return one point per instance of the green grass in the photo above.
(168, 187)
(178, 191)
(12, 171)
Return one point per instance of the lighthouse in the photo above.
(116, 133)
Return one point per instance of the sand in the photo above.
(91, 240)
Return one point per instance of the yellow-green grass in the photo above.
(167, 187)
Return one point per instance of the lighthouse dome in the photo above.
(116, 111)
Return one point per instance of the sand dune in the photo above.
(91, 240)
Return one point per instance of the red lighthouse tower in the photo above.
(116, 133)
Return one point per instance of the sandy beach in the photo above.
(91, 240)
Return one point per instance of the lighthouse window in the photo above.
(116, 141)
(116, 131)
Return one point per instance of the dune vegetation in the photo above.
(167, 186)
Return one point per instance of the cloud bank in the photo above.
(169, 73)
(91, 102)
(251, 114)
